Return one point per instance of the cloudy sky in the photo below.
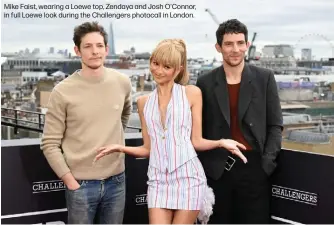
(301, 23)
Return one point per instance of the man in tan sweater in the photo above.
(86, 111)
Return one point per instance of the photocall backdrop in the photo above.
(302, 187)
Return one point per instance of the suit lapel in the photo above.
(221, 93)
(245, 92)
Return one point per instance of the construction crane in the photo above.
(252, 48)
(213, 16)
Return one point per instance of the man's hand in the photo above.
(233, 147)
(70, 182)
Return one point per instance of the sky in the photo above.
(300, 23)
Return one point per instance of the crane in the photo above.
(213, 16)
(252, 48)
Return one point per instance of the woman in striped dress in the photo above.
(171, 119)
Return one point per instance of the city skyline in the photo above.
(66, 53)
(278, 22)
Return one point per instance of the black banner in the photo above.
(302, 189)
(31, 192)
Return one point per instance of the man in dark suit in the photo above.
(240, 102)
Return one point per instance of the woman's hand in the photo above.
(233, 147)
(103, 151)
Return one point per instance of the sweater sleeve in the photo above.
(53, 133)
(127, 104)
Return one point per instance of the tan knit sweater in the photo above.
(85, 114)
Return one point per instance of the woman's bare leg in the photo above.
(185, 216)
(160, 216)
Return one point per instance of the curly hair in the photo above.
(232, 26)
(88, 27)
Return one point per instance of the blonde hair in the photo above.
(173, 52)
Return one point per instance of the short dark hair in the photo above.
(88, 27)
(232, 26)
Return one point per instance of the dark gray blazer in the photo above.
(259, 115)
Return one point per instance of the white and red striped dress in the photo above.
(176, 176)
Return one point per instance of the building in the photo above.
(33, 76)
(111, 41)
(275, 51)
(11, 77)
(307, 54)
(51, 50)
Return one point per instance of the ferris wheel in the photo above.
(312, 35)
